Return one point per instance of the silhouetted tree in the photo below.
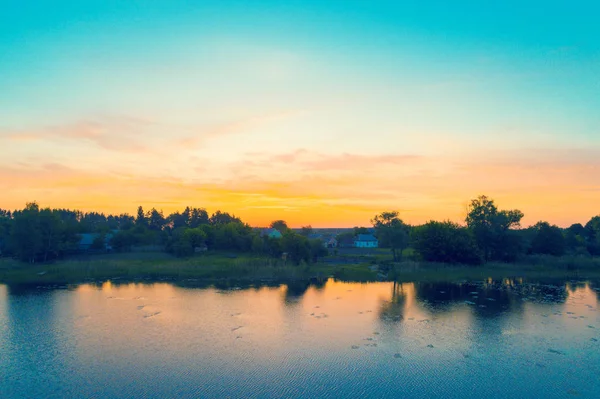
(5, 225)
(445, 242)
(317, 249)
(279, 225)
(155, 220)
(491, 229)
(297, 247)
(548, 240)
(51, 233)
(26, 238)
(306, 230)
(391, 229)
(199, 216)
(223, 218)
(140, 220)
(360, 230)
(592, 235)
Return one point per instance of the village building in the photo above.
(366, 241)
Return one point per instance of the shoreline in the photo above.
(217, 270)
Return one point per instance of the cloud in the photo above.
(329, 189)
(130, 135)
(318, 161)
(239, 126)
(115, 133)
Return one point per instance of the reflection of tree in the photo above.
(486, 301)
(294, 291)
(502, 300)
(318, 283)
(392, 311)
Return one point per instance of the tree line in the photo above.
(489, 234)
(36, 234)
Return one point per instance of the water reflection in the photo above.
(301, 339)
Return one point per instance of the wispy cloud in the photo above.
(329, 189)
(202, 135)
(115, 133)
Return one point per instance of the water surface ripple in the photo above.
(492, 339)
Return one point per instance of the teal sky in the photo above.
(238, 98)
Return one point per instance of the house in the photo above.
(271, 233)
(366, 241)
(86, 242)
(331, 243)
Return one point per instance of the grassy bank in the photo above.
(132, 267)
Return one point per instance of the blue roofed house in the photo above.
(86, 242)
(271, 233)
(366, 241)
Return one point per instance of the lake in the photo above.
(493, 339)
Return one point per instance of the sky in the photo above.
(315, 112)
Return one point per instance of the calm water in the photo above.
(494, 339)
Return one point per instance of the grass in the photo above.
(224, 266)
(211, 267)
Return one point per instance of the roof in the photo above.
(270, 231)
(86, 239)
(366, 237)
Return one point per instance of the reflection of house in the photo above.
(88, 241)
(366, 241)
(271, 233)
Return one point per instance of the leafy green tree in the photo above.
(317, 250)
(296, 246)
(5, 225)
(258, 244)
(178, 220)
(219, 218)
(279, 225)
(125, 221)
(274, 247)
(491, 228)
(155, 220)
(445, 242)
(575, 238)
(26, 238)
(140, 220)
(99, 243)
(360, 230)
(195, 237)
(391, 229)
(199, 216)
(306, 230)
(93, 222)
(347, 237)
(548, 240)
(51, 233)
(123, 240)
(592, 235)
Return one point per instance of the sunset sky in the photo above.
(316, 112)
